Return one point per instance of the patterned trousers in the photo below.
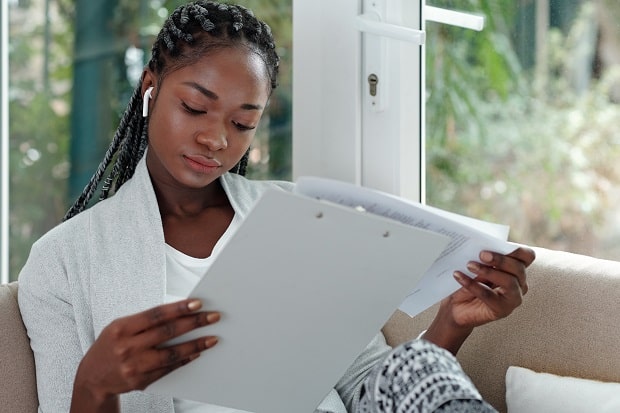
(419, 376)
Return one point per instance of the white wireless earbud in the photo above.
(145, 102)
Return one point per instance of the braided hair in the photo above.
(190, 32)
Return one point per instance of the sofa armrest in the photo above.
(18, 390)
(567, 325)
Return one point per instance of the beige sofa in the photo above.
(18, 391)
(569, 324)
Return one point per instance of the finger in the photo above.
(504, 263)
(173, 354)
(494, 277)
(152, 376)
(177, 327)
(152, 317)
(524, 254)
(162, 358)
(476, 288)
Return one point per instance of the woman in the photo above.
(101, 292)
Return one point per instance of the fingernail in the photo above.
(194, 305)
(211, 341)
(473, 267)
(458, 276)
(213, 317)
(486, 256)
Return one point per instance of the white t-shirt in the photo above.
(183, 273)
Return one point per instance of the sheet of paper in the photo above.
(468, 235)
(303, 286)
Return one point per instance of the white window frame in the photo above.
(338, 132)
(326, 116)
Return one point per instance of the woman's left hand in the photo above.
(494, 293)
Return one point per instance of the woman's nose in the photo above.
(214, 139)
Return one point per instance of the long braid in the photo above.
(180, 42)
(123, 132)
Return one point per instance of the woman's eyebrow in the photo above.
(251, 106)
(213, 96)
(209, 94)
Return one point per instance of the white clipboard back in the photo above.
(303, 286)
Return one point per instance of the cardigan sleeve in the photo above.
(44, 297)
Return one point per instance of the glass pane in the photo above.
(522, 120)
(47, 65)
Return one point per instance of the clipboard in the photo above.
(303, 286)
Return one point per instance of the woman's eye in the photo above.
(243, 127)
(191, 110)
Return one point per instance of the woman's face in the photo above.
(204, 117)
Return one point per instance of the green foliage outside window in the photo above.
(527, 137)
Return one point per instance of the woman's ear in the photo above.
(148, 80)
(147, 90)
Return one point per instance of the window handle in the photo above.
(371, 23)
(454, 18)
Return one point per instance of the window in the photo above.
(65, 97)
(518, 120)
(522, 121)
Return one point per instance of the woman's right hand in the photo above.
(128, 354)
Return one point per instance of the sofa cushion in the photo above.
(528, 391)
(18, 392)
(567, 325)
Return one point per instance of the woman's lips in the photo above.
(201, 163)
